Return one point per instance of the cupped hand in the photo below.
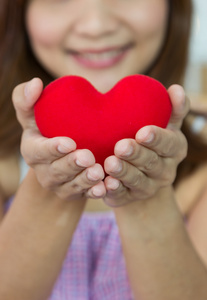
(59, 166)
(140, 167)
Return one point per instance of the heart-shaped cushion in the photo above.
(70, 106)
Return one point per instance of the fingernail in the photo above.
(144, 135)
(113, 184)
(64, 148)
(124, 148)
(80, 164)
(66, 145)
(97, 191)
(27, 89)
(117, 167)
(127, 151)
(93, 176)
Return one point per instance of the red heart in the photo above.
(70, 106)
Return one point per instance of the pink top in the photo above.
(94, 267)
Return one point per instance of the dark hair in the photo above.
(18, 63)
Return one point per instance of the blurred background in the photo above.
(196, 79)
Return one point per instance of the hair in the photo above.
(18, 64)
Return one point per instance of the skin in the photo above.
(95, 26)
(150, 245)
(123, 183)
(57, 27)
(138, 170)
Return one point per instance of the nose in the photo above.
(96, 19)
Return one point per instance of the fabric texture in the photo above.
(71, 106)
(94, 268)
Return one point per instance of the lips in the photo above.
(101, 58)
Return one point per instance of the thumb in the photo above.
(180, 105)
(24, 97)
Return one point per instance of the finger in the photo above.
(130, 176)
(24, 97)
(81, 184)
(148, 161)
(37, 149)
(67, 168)
(97, 191)
(165, 142)
(118, 195)
(180, 105)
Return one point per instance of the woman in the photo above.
(84, 34)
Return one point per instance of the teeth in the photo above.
(104, 56)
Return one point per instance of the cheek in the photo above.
(151, 20)
(42, 29)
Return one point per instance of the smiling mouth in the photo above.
(100, 58)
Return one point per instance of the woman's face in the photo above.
(101, 40)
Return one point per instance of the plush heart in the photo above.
(70, 106)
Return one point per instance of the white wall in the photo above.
(199, 33)
(198, 47)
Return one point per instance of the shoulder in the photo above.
(9, 176)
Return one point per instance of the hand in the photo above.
(59, 166)
(144, 165)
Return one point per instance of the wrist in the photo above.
(38, 195)
(143, 215)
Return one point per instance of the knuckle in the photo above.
(137, 181)
(152, 162)
(78, 189)
(124, 172)
(51, 148)
(138, 151)
(57, 175)
(168, 147)
(55, 172)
